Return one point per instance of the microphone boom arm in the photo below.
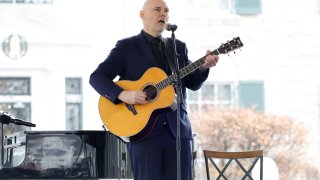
(6, 118)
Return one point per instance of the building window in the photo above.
(248, 7)
(73, 116)
(211, 94)
(20, 110)
(207, 93)
(221, 6)
(28, 1)
(224, 93)
(73, 103)
(15, 86)
(251, 94)
(73, 86)
(241, 7)
(15, 99)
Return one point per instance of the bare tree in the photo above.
(281, 138)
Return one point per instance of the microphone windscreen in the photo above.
(171, 27)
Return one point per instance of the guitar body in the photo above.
(138, 122)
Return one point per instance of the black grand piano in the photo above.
(65, 155)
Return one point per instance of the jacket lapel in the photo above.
(169, 53)
(146, 50)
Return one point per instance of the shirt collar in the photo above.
(150, 38)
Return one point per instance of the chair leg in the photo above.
(261, 168)
(207, 168)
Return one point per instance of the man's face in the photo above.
(154, 16)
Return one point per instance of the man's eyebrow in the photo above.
(158, 7)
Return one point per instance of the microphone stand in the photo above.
(2, 122)
(177, 86)
(2, 146)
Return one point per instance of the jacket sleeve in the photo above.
(102, 78)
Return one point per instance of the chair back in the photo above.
(222, 160)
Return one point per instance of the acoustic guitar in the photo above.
(135, 122)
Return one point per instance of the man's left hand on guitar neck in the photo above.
(210, 61)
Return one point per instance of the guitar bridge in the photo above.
(132, 109)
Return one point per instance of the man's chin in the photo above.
(160, 30)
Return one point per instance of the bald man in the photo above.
(154, 156)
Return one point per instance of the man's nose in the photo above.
(163, 14)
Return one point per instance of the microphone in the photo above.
(5, 118)
(171, 27)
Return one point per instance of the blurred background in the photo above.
(265, 96)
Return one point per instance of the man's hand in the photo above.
(210, 61)
(133, 97)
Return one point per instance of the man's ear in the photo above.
(142, 14)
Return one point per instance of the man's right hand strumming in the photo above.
(133, 97)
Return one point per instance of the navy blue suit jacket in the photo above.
(129, 59)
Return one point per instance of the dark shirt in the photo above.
(159, 51)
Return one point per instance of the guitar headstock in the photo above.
(232, 45)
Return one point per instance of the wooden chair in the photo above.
(237, 157)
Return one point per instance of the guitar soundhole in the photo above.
(151, 92)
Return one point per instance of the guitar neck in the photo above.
(195, 65)
(184, 71)
(235, 43)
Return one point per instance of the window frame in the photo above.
(201, 104)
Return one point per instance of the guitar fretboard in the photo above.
(184, 71)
